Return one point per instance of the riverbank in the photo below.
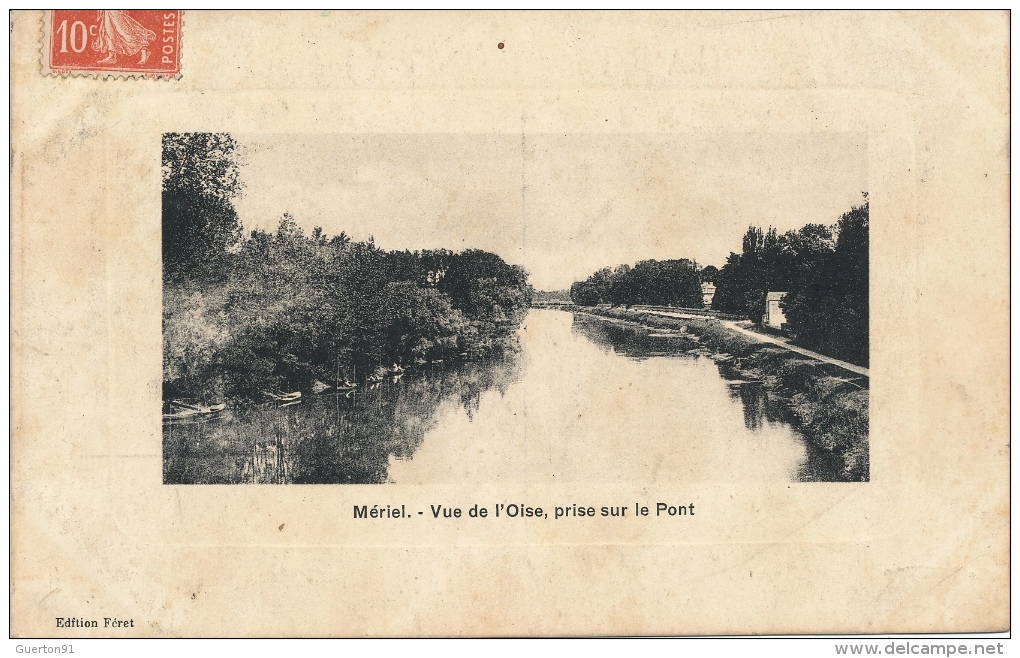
(287, 310)
(828, 404)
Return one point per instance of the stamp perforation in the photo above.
(48, 41)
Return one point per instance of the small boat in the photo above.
(198, 408)
(181, 410)
(346, 386)
(737, 383)
(281, 396)
(289, 404)
(320, 387)
(380, 374)
(180, 414)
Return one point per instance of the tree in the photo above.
(768, 262)
(200, 225)
(282, 308)
(583, 293)
(463, 273)
(828, 309)
(419, 322)
(743, 280)
(709, 274)
(663, 283)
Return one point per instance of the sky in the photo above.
(560, 205)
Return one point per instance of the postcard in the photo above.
(417, 324)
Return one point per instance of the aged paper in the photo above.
(563, 142)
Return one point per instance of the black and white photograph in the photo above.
(434, 309)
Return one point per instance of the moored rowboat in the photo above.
(281, 396)
(181, 410)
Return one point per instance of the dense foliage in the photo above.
(655, 282)
(825, 273)
(547, 296)
(200, 225)
(281, 309)
(823, 269)
(828, 308)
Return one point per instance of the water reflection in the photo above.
(753, 399)
(329, 438)
(639, 343)
(600, 401)
(762, 410)
(585, 400)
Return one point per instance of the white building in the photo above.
(774, 316)
(707, 293)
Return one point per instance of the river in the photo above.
(583, 399)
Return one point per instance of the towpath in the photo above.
(765, 338)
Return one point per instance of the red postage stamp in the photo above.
(143, 42)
